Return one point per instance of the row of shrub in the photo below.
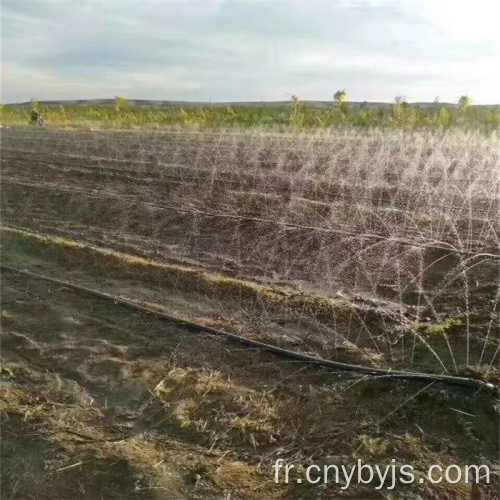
(297, 115)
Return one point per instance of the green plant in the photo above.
(297, 117)
(402, 112)
(464, 103)
(464, 107)
(122, 114)
(34, 111)
(340, 98)
(445, 118)
(120, 103)
(184, 117)
(231, 114)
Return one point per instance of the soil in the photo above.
(103, 402)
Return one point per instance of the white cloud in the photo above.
(251, 49)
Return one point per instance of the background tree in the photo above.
(120, 103)
(297, 117)
(464, 103)
(34, 111)
(340, 98)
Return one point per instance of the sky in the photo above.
(250, 50)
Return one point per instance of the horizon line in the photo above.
(208, 102)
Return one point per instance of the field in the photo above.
(376, 247)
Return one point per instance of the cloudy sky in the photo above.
(238, 50)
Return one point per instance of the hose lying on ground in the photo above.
(195, 327)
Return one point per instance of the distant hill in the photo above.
(186, 104)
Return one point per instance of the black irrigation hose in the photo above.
(195, 327)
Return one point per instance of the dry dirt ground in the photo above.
(103, 402)
(99, 401)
